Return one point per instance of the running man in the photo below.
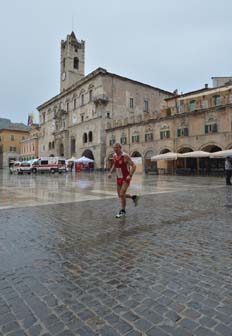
(125, 169)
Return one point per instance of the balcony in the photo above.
(60, 113)
(101, 100)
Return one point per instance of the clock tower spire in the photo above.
(72, 61)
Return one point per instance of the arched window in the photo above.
(85, 138)
(76, 63)
(50, 145)
(53, 145)
(90, 95)
(82, 99)
(90, 136)
(75, 103)
(73, 145)
(61, 149)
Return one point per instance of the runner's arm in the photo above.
(111, 170)
(131, 164)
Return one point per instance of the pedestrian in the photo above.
(125, 168)
(71, 166)
(228, 169)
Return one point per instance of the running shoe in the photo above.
(135, 199)
(122, 213)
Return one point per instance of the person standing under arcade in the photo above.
(125, 168)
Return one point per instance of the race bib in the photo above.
(119, 173)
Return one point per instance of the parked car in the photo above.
(24, 167)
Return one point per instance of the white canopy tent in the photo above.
(221, 154)
(84, 160)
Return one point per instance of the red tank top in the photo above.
(121, 167)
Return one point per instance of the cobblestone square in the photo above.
(69, 267)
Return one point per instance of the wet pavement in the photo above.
(68, 267)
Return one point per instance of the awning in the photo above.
(221, 154)
(165, 156)
(194, 154)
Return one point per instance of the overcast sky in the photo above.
(168, 44)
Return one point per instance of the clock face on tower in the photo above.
(63, 75)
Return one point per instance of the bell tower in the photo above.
(72, 61)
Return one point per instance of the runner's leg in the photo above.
(118, 189)
(122, 194)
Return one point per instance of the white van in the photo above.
(49, 165)
(24, 167)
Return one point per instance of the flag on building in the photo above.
(30, 119)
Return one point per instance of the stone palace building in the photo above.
(74, 122)
(93, 111)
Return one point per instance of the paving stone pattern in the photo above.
(73, 269)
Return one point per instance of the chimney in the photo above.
(206, 86)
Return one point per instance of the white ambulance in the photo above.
(49, 165)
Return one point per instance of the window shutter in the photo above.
(168, 134)
(178, 132)
(161, 135)
(206, 129)
(215, 128)
(186, 131)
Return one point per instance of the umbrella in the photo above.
(221, 154)
(166, 156)
(84, 160)
(194, 154)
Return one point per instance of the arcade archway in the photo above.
(186, 163)
(166, 166)
(136, 154)
(61, 150)
(164, 151)
(137, 158)
(88, 153)
(211, 166)
(211, 148)
(149, 166)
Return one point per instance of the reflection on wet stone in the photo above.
(67, 269)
